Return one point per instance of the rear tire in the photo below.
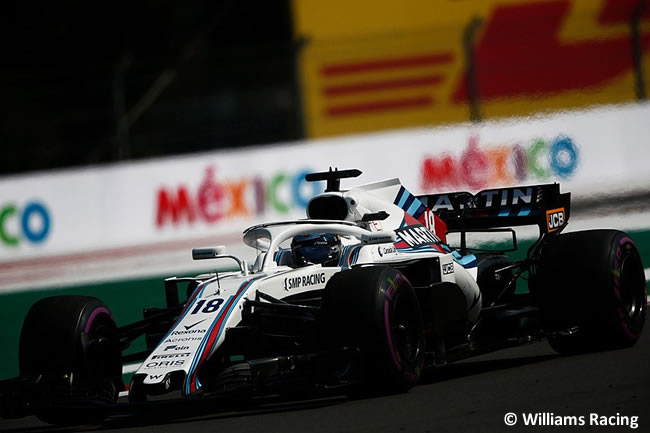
(72, 342)
(376, 309)
(593, 280)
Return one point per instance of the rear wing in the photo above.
(541, 205)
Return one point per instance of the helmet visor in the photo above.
(314, 254)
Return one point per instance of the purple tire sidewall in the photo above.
(93, 315)
(622, 315)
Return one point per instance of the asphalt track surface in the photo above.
(472, 396)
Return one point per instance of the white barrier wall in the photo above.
(216, 195)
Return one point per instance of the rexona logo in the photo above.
(30, 223)
(191, 331)
(555, 219)
(213, 200)
(478, 168)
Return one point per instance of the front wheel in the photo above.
(72, 343)
(593, 281)
(376, 309)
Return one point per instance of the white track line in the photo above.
(647, 274)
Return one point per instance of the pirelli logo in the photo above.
(555, 219)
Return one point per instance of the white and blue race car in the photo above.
(364, 295)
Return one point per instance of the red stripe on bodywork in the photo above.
(213, 335)
(401, 245)
(188, 305)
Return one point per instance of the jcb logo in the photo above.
(555, 219)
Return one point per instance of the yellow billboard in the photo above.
(371, 65)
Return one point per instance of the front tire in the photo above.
(593, 280)
(72, 342)
(376, 309)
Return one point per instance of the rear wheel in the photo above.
(376, 309)
(72, 342)
(594, 281)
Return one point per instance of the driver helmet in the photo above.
(323, 248)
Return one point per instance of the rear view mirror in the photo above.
(208, 253)
(219, 253)
(487, 240)
(378, 238)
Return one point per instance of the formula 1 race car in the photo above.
(361, 297)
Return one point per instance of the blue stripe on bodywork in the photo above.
(414, 207)
(199, 352)
(468, 261)
(344, 255)
(418, 213)
(402, 199)
(201, 348)
(398, 197)
(232, 307)
(409, 201)
(422, 249)
(355, 255)
(349, 256)
(242, 289)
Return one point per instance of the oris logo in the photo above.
(555, 219)
(158, 364)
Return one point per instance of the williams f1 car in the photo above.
(363, 296)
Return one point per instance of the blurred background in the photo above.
(134, 131)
